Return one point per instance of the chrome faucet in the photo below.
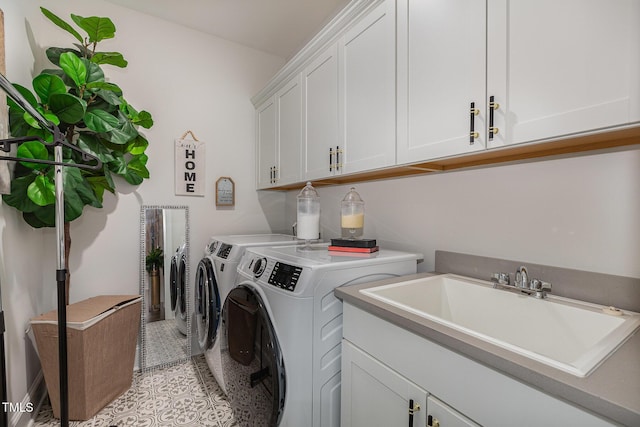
(535, 287)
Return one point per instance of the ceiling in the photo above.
(279, 27)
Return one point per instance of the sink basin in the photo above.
(567, 334)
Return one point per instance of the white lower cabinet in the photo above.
(385, 367)
(375, 395)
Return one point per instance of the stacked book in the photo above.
(364, 246)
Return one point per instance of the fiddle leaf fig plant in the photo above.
(92, 114)
(154, 260)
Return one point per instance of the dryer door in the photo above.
(252, 363)
(173, 283)
(182, 288)
(207, 304)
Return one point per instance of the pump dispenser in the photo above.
(308, 227)
(352, 215)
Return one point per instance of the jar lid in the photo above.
(308, 192)
(353, 196)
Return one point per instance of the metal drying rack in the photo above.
(61, 273)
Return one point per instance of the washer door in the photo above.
(252, 363)
(207, 304)
(182, 288)
(173, 283)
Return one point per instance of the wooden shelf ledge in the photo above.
(566, 146)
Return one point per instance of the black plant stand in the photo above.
(61, 273)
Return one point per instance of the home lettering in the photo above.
(190, 177)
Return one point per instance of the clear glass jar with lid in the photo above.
(308, 219)
(352, 215)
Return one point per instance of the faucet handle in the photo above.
(502, 279)
(540, 287)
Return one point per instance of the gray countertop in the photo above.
(611, 391)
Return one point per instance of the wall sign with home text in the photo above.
(190, 167)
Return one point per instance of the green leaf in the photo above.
(95, 86)
(74, 68)
(78, 192)
(137, 146)
(111, 58)
(69, 108)
(62, 24)
(93, 146)
(33, 150)
(110, 97)
(119, 164)
(99, 184)
(26, 93)
(97, 28)
(94, 72)
(18, 197)
(17, 125)
(144, 119)
(33, 218)
(48, 116)
(138, 164)
(100, 121)
(42, 191)
(53, 53)
(46, 84)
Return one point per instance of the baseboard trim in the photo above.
(35, 395)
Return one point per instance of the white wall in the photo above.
(188, 81)
(581, 212)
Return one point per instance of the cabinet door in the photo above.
(561, 67)
(375, 395)
(289, 101)
(368, 92)
(441, 414)
(320, 120)
(441, 72)
(266, 143)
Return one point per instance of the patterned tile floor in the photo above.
(164, 343)
(182, 395)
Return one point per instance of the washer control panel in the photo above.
(224, 250)
(284, 276)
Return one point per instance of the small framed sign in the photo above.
(225, 191)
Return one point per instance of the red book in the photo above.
(351, 249)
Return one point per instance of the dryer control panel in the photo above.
(285, 276)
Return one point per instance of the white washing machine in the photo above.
(215, 277)
(282, 328)
(178, 287)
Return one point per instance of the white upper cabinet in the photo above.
(368, 91)
(562, 67)
(266, 134)
(321, 116)
(289, 102)
(279, 134)
(441, 78)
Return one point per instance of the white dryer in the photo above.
(215, 277)
(178, 287)
(282, 328)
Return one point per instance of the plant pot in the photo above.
(155, 289)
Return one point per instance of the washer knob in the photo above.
(258, 266)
